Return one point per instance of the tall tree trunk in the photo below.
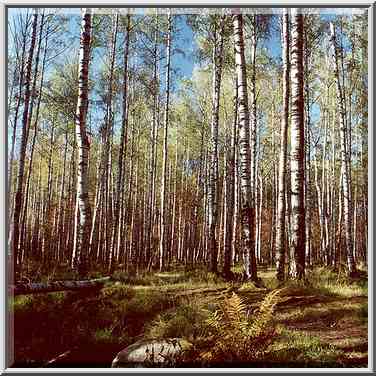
(234, 250)
(107, 175)
(21, 167)
(280, 241)
(123, 146)
(345, 162)
(174, 205)
(253, 119)
(84, 220)
(31, 108)
(213, 170)
(307, 161)
(163, 225)
(252, 94)
(153, 143)
(297, 267)
(21, 64)
(230, 190)
(259, 222)
(60, 223)
(247, 202)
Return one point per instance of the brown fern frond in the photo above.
(265, 313)
(238, 337)
(234, 309)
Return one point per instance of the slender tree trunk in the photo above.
(253, 122)
(307, 160)
(213, 170)
(31, 108)
(110, 227)
(345, 162)
(123, 146)
(60, 223)
(234, 230)
(281, 208)
(273, 193)
(247, 203)
(174, 205)
(230, 191)
(259, 222)
(84, 220)
(297, 148)
(153, 151)
(253, 110)
(21, 167)
(163, 225)
(21, 63)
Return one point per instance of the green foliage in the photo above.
(187, 276)
(331, 283)
(37, 303)
(185, 321)
(203, 276)
(103, 335)
(117, 291)
(222, 331)
(295, 348)
(21, 303)
(140, 279)
(48, 324)
(146, 302)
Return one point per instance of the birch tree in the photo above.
(213, 170)
(247, 204)
(281, 207)
(84, 220)
(230, 190)
(297, 263)
(345, 161)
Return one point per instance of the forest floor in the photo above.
(321, 323)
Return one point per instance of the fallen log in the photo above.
(58, 358)
(55, 286)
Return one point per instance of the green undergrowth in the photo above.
(179, 277)
(297, 349)
(36, 271)
(179, 303)
(184, 320)
(319, 281)
(49, 324)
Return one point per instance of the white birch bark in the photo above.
(84, 220)
(247, 204)
(297, 266)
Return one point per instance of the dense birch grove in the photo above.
(117, 160)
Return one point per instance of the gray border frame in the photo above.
(8, 322)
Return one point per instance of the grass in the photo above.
(186, 320)
(321, 321)
(297, 349)
(179, 277)
(46, 325)
(35, 302)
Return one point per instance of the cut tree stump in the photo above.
(55, 286)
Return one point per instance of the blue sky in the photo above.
(187, 44)
(183, 40)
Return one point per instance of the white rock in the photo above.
(146, 353)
